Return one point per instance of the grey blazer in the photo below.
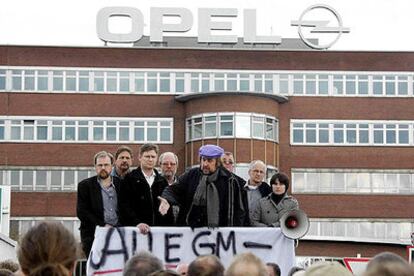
(268, 214)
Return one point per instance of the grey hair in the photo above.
(255, 162)
(160, 159)
(142, 264)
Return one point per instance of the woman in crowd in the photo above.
(272, 207)
(48, 249)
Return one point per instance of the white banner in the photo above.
(173, 245)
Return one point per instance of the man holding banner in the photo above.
(209, 195)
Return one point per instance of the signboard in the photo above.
(356, 265)
(210, 21)
(112, 247)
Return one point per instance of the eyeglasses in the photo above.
(230, 162)
(168, 164)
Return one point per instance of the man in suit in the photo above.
(140, 191)
(97, 203)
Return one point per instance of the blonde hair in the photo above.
(246, 264)
(47, 249)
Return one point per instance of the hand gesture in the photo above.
(164, 206)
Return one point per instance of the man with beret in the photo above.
(208, 195)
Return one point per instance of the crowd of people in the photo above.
(49, 249)
(209, 195)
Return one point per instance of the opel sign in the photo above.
(209, 20)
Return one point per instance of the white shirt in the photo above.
(150, 179)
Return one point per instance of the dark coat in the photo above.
(182, 192)
(140, 203)
(89, 209)
(265, 189)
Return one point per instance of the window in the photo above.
(71, 81)
(139, 81)
(360, 181)
(195, 82)
(84, 81)
(73, 130)
(243, 125)
(386, 230)
(240, 125)
(17, 80)
(165, 82)
(244, 84)
(57, 80)
(258, 127)
(98, 81)
(124, 82)
(2, 79)
(20, 225)
(29, 80)
(179, 82)
(111, 81)
(210, 126)
(218, 82)
(232, 82)
(295, 82)
(152, 84)
(226, 125)
(342, 132)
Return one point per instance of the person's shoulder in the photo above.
(290, 199)
(265, 188)
(135, 173)
(89, 180)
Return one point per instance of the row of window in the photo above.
(350, 132)
(179, 81)
(358, 229)
(314, 181)
(44, 178)
(85, 130)
(344, 181)
(57, 179)
(20, 225)
(395, 231)
(227, 125)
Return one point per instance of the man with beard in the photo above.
(97, 203)
(169, 165)
(208, 195)
(123, 161)
(140, 190)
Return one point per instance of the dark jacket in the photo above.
(89, 209)
(140, 203)
(182, 192)
(265, 189)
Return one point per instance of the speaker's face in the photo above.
(278, 188)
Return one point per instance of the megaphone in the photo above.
(294, 224)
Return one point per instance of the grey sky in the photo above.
(375, 24)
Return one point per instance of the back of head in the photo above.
(246, 264)
(295, 269)
(206, 266)
(274, 268)
(386, 257)
(389, 269)
(6, 272)
(327, 269)
(47, 249)
(142, 264)
(10, 265)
